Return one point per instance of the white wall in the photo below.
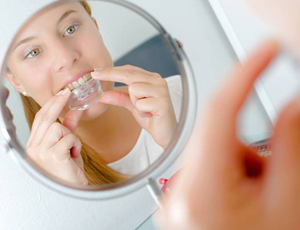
(122, 30)
(27, 205)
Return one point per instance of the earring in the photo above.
(24, 93)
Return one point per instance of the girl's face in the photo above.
(54, 47)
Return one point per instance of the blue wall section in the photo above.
(153, 55)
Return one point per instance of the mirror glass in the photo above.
(95, 94)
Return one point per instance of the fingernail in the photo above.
(96, 74)
(60, 92)
(64, 91)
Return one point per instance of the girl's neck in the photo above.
(112, 135)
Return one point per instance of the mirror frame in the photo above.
(147, 177)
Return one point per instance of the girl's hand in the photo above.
(148, 99)
(53, 146)
(225, 184)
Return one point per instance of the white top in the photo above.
(146, 151)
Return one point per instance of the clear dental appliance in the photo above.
(86, 92)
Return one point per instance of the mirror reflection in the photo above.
(95, 94)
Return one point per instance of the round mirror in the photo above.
(95, 105)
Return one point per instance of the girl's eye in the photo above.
(33, 53)
(71, 30)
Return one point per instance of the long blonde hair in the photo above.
(96, 170)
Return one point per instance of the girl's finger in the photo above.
(36, 121)
(137, 113)
(135, 68)
(122, 99)
(38, 116)
(68, 147)
(125, 76)
(46, 118)
(215, 139)
(157, 107)
(55, 132)
(117, 98)
(285, 146)
(130, 68)
(143, 90)
(71, 119)
(287, 131)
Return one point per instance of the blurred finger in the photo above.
(215, 140)
(285, 145)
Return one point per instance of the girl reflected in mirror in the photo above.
(122, 134)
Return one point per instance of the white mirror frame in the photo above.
(147, 177)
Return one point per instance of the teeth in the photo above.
(79, 82)
(70, 86)
(75, 84)
(87, 76)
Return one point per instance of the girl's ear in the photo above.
(14, 82)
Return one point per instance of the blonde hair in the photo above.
(96, 170)
(87, 7)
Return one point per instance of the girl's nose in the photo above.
(64, 56)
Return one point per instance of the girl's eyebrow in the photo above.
(66, 14)
(24, 41)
